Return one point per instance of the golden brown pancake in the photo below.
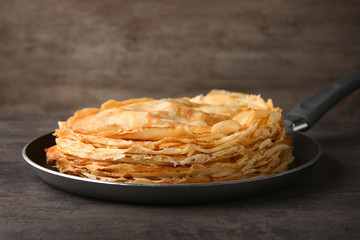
(221, 136)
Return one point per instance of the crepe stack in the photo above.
(222, 136)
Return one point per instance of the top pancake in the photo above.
(217, 113)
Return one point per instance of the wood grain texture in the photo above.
(324, 205)
(58, 56)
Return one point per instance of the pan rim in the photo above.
(185, 185)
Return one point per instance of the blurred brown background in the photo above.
(59, 56)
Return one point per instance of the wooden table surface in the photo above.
(324, 205)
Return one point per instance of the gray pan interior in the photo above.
(306, 151)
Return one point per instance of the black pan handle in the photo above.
(305, 115)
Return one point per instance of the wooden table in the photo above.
(324, 205)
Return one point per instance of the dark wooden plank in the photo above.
(324, 205)
(58, 56)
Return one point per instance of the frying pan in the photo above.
(306, 151)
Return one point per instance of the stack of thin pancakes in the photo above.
(222, 136)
